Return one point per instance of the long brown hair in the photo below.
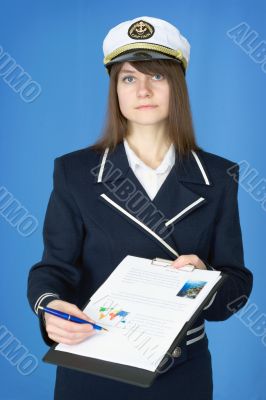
(179, 124)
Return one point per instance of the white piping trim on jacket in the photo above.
(185, 210)
(201, 168)
(41, 298)
(198, 328)
(210, 303)
(102, 165)
(140, 223)
(193, 152)
(196, 339)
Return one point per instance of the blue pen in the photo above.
(69, 317)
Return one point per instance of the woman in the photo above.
(145, 189)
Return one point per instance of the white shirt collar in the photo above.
(134, 160)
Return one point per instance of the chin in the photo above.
(148, 122)
(146, 119)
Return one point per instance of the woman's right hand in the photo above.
(67, 332)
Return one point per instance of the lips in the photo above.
(146, 106)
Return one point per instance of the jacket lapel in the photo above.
(119, 188)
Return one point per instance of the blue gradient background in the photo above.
(59, 43)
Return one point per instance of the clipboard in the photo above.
(121, 372)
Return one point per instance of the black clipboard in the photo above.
(121, 372)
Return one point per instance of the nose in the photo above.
(143, 88)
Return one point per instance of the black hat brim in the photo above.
(141, 55)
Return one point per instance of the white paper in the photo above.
(144, 307)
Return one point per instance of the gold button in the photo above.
(177, 352)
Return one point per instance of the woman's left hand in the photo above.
(185, 259)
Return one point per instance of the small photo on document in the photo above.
(191, 289)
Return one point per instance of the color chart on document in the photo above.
(111, 315)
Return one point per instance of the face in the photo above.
(143, 99)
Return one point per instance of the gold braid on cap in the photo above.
(148, 46)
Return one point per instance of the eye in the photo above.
(127, 77)
(160, 77)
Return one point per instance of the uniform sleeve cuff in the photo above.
(43, 300)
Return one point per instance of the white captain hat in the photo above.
(145, 38)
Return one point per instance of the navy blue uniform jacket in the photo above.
(98, 213)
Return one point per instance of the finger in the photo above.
(180, 261)
(75, 311)
(183, 260)
(188, 259)
(68, 335)
(61, 331)
(60, 339)
(68, 325)
(72, 309)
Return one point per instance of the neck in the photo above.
(149, 142)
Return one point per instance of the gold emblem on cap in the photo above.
(140, 30)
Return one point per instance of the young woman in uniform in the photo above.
(145, 189)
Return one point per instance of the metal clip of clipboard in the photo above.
(162, 262)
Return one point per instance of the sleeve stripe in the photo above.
(210, 303)
(41, 298)
(198, 328)
(196, 339)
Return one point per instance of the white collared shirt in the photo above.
(151, 179)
